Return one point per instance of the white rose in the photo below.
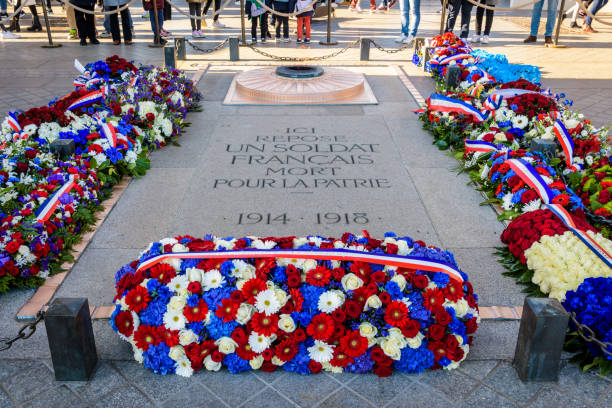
(350, 281)
(415, 342)
(244, 313)
(400, 280)
(179, 248)
(391, 348)
(194, 274)
(187, 337)
(226, 345)
(256, 362)
(373, 302)
(500, 137)
(461, 307)
(309, 264)
(211, 365)
(277, 361)
(281, 295)
(286, 323)
(176, 353)
(368, 330)
(177, 303)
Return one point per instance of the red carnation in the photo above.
(385, 298)
(338, 273)
(293, 281)
(227, 310)
(318, 276)
(125, 323)
(420, 281)
(264, 324)
(170, 337)
(286, 350)
(194, 287)
(411, 328)
(268, 367)
(196, 313)
(436, 332)
(239, 336)
(338, 315)
(138, 299)
(397, 314)
(379, 276)
(145, 337)
(163, 272)
(352, 309)
(443, 317)
(353, 344)
(603, 197)
(321, 327)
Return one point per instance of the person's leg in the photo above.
(35, 21)
(307, 22)
(404, 16)
(551, 17)
(466, 14)
(415, 16)
(198, 13)
(489, 22)
(125, 25)
(372, 5)
(263, 23)
(160, 19)
(153, 26)
(254, 27)
(107, 19)
(70, 18)
(536, 14)
(278, 26)
(79, 16)
(3, 6)
(90, 21)
(597, 4)
(300, 28)
(192, 11)
(217, 7)
(114, 24)
(454, 7)
(285, 27)
(479, 15)
(206, 6)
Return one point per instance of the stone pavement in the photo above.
(178, 195)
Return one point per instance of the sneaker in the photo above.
(575, 25)
(217, 24)
(201, 34)
(3, 14)
(263, 40)
(548, 39)
(286, 40)
(49, 10)
(381, 7)
(165, 33)
(254, 40)
(278, 39)
(307, 41)
(401, 38)
(195, 34)
(408, 39)
(104, 34)
(391, 4)
(587, 29)
(475, 38)
(7, 35)
(485, 39)
(299, 40)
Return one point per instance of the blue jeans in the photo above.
(551, 16)
(160, 19)
(2, 5)
(410, 8)
(597, 5)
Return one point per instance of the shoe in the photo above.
(145, 15)
(15, 26)
(7, 35)
(83, 42)
(217, 24)
(269, 35)
(401, 38)
(128, 42)
(587, 29)
(548, 39)
(372, 11)
(104, 34)
(530, 39)
(254, 40)
(162, 41)
(201, 34)
(204, 24)
(475, 38)
(49, 11)
(33, 28)
(72, 35)
(307, 41)
(116, 42)
(286, 40)
(195, 34)
(408, 39)
(165, 33)
(391, 4)
(278, 39)
(263, 40)
(381, 7)
(575, 25)
(3, 14)
(299, 40)
(485, 39)
(94, 41)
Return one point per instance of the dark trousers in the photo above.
(466, 11)
(488, 22)
(263, 25)
(217, 7)
(195, 9)
(85, 23)
(125, 24)
(284, 21)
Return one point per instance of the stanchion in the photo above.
(365, 49)
(51, 44)
(234, 48)
(443, 17)
(157, 41)
(555, 43)
(329, 41)
(242, 27)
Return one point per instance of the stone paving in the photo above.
(31, 76)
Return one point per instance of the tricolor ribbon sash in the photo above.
(481, 146)
(597, 249)
(109, 132)
(86, 79)
(566, 143)
(493, 102)
(92, 97)
(14, 124)
(446, 59)
(134, 81)
(45, 211)
(412, 262)
(530, 176)
(441, 103)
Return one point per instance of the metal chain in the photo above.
(207, 50)
(323, 57)
(590, 335)
(24, 333)
(393, 51)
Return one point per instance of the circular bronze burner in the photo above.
(299, 71)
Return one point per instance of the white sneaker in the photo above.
(485, 39)
(401, 38)
(217, 24)
(408, 39)
(7, 35)
(475, 38)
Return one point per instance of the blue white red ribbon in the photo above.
(597, 249)
(531, 177)
(411, 262)
(493, 102)
(481, 146)
(14, 124)
(92, 97)
(134, 81)
(86, 79)
(441, 103)
(45, 211)
(566, 143)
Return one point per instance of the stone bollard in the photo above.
(540, 340)
(64, 148)
(547, 148)
(453, 76)
(234, 45)
(169, 56)
(71, 339)
(179, 48)
(426, 56)
(365, 49)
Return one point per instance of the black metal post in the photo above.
(169, 56)
(64, 148)
(558, 28)
(233, 48)
(365, 49)
(242, 26)
(157, 40)
(443, 17)
(71, 339)
(540, 340)
(46, 16)
(329, 41)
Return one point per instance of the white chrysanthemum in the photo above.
(507, 201)
(174, 320)
(520, 121)
(178, 283)
(259, 244)
(137, 354)
(258, 342)
(329, 301)
(321, 352)
(183, 367)
(532, 205)
(212, 279)
(267, 302)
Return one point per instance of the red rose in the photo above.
(382, 371)
(528, 196)
(315, 367)
(420, 281)
(21, 167)
(268, 367)
(436, 331)
(385, 298)
(12, 247)
(150, 117)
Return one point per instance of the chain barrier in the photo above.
(202, 17)
(590, 335)
(392, 51)
(24, 333)
(102, 13)
(520, 6)
(207, 50)
(583, 8)
(302, 59)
